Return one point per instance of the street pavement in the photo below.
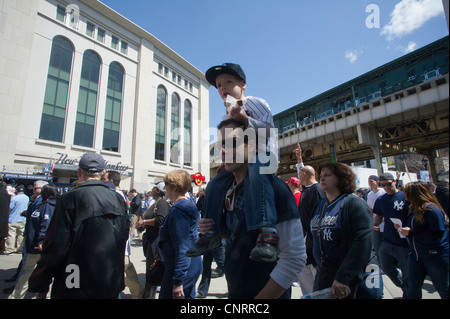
(218, 287)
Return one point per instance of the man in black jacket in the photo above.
(84, 247)
(4, 213)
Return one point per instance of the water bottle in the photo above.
(321, 294)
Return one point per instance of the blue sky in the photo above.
(290, 50)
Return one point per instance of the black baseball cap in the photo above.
(386, 176)
(92, 162)
(228, 68)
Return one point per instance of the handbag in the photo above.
(156, 273)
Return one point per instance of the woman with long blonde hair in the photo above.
(428, 238)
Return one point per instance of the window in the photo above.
(87, 100)
(123, 47)
(60, 13)
(90, 29)
(113, 109)
(101, 35)
(175, 129)
(160, 134)
(179, 79)
(174, 76)
(57, 90)
(114, 42)
(160, 68)
(166, 71)
(190, 87)
(187, 132)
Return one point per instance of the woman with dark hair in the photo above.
(35, 230)
(427, 235)
(152, 220)
(342, 232)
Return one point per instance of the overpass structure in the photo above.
(401, 107)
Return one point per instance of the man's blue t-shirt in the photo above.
(392, 206)
(246, 278)
(18, 204)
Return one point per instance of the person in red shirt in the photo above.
(294, 185)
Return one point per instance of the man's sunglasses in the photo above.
(229, 198)
(386, 184)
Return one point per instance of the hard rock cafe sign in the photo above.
(198, 179)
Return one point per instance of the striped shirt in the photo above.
(259, 110)
(260, 116)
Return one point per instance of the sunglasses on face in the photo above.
(236, 142)
(386, 184)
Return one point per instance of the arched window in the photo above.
(175, 129)
(87, 100)
(57, 90)
(187, 133)
(113, 111)
(160, 134)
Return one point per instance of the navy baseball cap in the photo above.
(92, 163)
(228, 68)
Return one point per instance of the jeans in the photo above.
(392, 256)
(435, 266)
(259, 198)
(192, 274)
(219, 256)
(377, 240)
(371, 287)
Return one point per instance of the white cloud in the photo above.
(353, 55)
(409, 15)
(411, 47)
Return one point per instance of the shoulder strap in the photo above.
(155, 208)
(319, 226)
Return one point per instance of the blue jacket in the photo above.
(178, 234)
(37, 225)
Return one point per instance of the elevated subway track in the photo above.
(413, 120)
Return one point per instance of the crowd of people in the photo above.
(264, 233)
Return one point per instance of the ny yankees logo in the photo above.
(327, 235)
(398, 205)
